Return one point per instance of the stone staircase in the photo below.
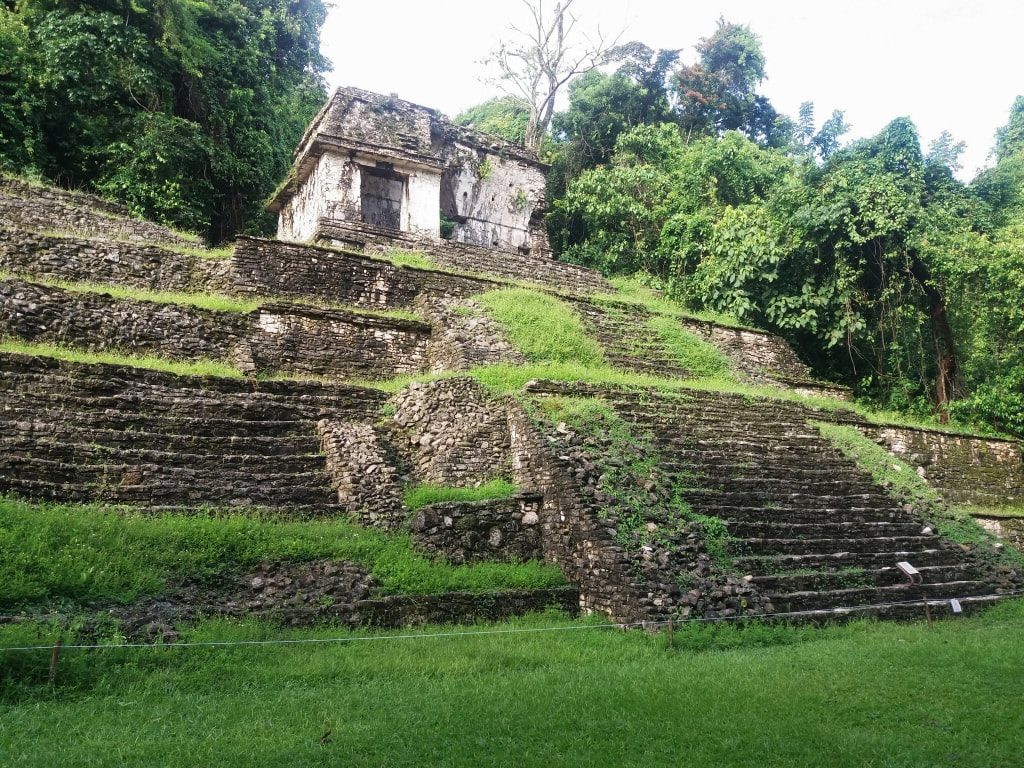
(628, 342)
(810, 530)
(121, 435)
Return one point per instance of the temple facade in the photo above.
(378, 164)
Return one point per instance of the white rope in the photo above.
(471, 633)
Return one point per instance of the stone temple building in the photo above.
(374, 165)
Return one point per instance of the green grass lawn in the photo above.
(864, 694)
(79, 553)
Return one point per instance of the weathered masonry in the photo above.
(376, 162)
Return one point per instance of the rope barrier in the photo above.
(824, 613)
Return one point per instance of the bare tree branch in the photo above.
(542, 60)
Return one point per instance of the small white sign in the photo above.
(955, 605)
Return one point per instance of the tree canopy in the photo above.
(882, 270)
(187, 111)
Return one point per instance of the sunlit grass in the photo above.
(543, 328)
(421, 495)
(73, 552)
(537, 691)
(201, 367)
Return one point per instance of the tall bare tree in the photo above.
(544, 57)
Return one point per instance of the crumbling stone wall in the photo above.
(275, 338)
(456, 435)
(315, 341)
(364, 472)
(464, 336)
(12, 187)
(340, 592)
(764, 358)
(44, 209)
(115, 262)
(272, 268)
(579, 542)
(502, 530)
(1009, 529)
(964, 469)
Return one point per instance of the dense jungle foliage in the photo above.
(871, 258)
(883, 270)
(186, 110)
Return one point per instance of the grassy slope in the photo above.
(50, 553)
(861, 695)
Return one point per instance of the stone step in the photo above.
(709, 501)
(817, 600)
(822, 546)
(770, 467)
(849, 578)
(783, 514)
(939, 555)
(837, 528)
(90, 453)
(28, 421)
(780, 487)
(170, 494)
(14, 434)
(892, 611)
(29, 375)
(660, 411)
(202, 481)
(249, 408)
(745, 443)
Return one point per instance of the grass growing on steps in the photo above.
(415, 259)
(864, 694)
(82, 552)
(422, 495)
(631, 291)
(205, 300)
(542, 327)
(202, 367)
(905, 485)
(701, 359)
(976, 511)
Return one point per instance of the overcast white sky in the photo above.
(947, 64)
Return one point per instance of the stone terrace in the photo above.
(810, 530)
(813, 530)
(74, 432)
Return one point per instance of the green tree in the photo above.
(186, 111)
(717, 94)
(505, 116)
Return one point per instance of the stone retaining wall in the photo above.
(98, 321)
(275, 338)
(454, 434)
(533, 268)
(966, 470)
(323, 342)
(44, 209)
(272, 268)
(78, 259)
(502, 530)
